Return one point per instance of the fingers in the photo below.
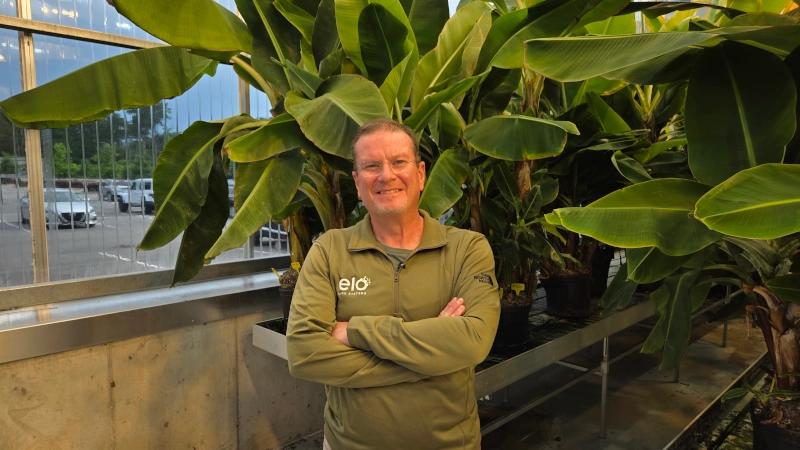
(454, 308)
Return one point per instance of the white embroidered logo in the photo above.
(353, 287)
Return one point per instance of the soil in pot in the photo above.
(512, 331)
(782, 428)
(288, 282)
(569, 296)
(601, 263)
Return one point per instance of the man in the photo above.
(393, 314)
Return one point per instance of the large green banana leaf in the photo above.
(324, 37)
(605, 115)
(131, 80)
(348, 15)
(759, 203)
(382, 37)
(505, 27)
(443, 65)
(396, 88)
(275, 41)
(446, 126)
(205, 229)
(179, 23)
(654, 9)
(651, 214)
(443, 186)
(427, 19)
(496, 91)
(787, 287)
(619, 292)
(343, 103)
(419, 119)
(740, 111)
(580, 58)
(181, 182)
(649, 264)
(674, 302)
(281, 134)
(630, 168)
(547, 23)
(519, 138)
(297, 16)
(614, 26)
(599, 11)
(773, 6)
(262, 190)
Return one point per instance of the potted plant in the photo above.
(718, 218)
(511, 214)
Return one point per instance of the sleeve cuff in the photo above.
(353, 334)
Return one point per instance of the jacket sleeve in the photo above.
(440, 345)
(317, 356)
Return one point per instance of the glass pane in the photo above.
(97, 235)
(96, 15)
(15, 238)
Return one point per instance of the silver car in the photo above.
(109, 189)
(62, 207)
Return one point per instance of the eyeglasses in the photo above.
(375, 167)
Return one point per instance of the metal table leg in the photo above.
(604, 392)
(725, 325)
(725, 334)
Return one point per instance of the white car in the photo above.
(62, 207)
(139, 195)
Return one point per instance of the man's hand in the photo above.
(453, 309)
(340, 333)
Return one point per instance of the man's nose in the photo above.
(387, 173)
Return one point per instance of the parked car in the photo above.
(230, 196)
(273, 231)
(109, 189)
(61, 207)
(139, 195)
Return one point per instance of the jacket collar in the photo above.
(433, 235)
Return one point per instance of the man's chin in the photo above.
(389, 210)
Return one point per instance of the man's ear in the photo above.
(355, 179)
(421, 170)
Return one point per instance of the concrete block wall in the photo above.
(200, 387)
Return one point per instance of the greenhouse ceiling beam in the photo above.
(79, 34)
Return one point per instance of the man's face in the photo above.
(387, 176)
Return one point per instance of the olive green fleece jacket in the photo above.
(407, 382)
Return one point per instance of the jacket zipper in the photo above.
(397, 291)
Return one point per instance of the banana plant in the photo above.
(729, 215)
(327, 67)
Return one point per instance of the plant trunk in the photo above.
(781, 337)
(339, 216)
(299, 235)
(475, 221)
(522, 173)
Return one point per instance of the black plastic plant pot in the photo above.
(769, 436)
(286, 301)
(512, 331)
(569, 296)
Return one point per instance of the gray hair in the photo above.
(387, 125)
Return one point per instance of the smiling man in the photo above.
(393, 314)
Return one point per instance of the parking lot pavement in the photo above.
(106, 249)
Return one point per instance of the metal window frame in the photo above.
(31, 295)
